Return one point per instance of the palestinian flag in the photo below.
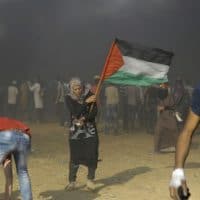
(131, 64)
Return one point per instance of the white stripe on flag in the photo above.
(141, 67)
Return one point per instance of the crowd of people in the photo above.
(160, 110)
(130, 107)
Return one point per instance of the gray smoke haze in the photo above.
(51, 37)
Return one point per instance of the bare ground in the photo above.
(129, 169)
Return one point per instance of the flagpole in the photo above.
(103, 73)
(104, 69)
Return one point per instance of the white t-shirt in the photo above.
(112, 95)
(38, 100)
(12, 94)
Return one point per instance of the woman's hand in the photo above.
(79, 122)
(91, 99)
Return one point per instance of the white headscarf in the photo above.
(74, 82)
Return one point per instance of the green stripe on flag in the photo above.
(125, 78)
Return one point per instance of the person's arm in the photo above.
(182, 149)
(184, 140)
(91, 112)
(7, 165)
(90, 109)
(71, 106)
(33, 87)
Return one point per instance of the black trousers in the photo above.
(73, 169)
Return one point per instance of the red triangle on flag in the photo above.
(114, 61)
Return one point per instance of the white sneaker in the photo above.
(168, 150)
(71, 186)
(90, 184)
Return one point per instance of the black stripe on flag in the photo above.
(154, 55)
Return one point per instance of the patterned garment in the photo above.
(83, 132)
(83, 139)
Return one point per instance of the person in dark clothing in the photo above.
(150, 105)
(182, 102)
(83, 137)
(166, 130)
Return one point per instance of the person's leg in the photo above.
(90, 178)
(130, 118)
(14, 110)
(91, 173)
(8, 110)
(134, 117)
(20, 156)
(73, 169)
(115, 120)
(7, 145)
(107, 119)
(41, 115)
(37, 115)
(148, 121)
(153, 120)
(7, 165)
(125, 117)
(157, 136)
(61, 114)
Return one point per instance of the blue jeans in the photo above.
(18, 144)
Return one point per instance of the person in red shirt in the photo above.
(15, 140)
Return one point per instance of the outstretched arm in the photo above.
(182, 150)
(184, 140)
(7, 165)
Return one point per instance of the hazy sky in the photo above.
(73, 37)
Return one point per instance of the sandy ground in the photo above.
(129, 169)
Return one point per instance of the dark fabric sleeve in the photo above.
(184, 104)
(74, 108)
(91, 112)
(195, 106)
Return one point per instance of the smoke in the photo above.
(10, 1)
(2, 31)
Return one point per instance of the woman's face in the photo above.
(77, 90)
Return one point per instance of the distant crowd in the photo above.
(121, 109)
